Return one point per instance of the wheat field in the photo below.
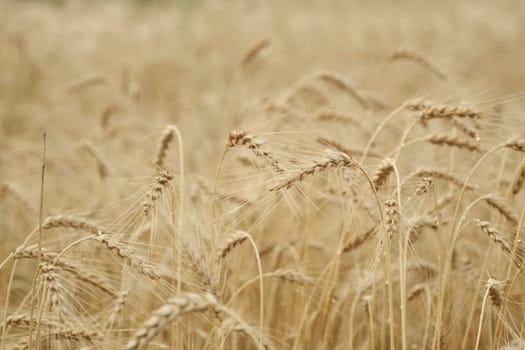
(262, 174)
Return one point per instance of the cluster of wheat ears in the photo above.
(321, 214)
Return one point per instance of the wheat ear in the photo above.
(382, 173)
(254, 52)
(332, 160)
(411, 55)
(495, 235)
(344, 149)
(344, 85)
(431, 110)
(359, 240)
(503, 209)
(455, 141)
(241, 138)
(162, 148)
(69, 221)
(231, 242)
(184, 303)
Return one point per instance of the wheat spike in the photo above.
(231, 242)
(127, 255)
(382, 173)
(411, 55)
(254, 52)
(494, 287)
(455, 141)
(416, 291)
(392, 217)
(359, 240)
(69, 221)
(431, 110)
(332, 160)
(82, 275)
(415, 230)
(344, 85)
(438, 174)
(516, 145)
(517, 185)
(162, 149)
(294, 276)
(102, 163)
(184, 303)
(344, 149)
(241, 138)
(503, 209)
(161, 182)
(496, 236)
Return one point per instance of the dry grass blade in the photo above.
(184, 303)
